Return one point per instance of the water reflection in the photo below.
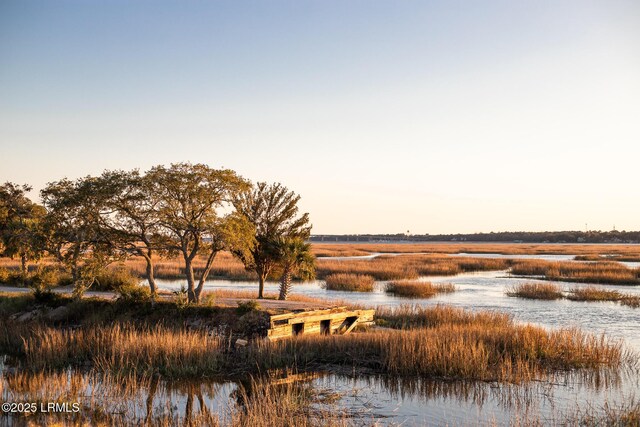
(388, 400)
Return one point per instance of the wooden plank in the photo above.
(353, 325)
(312, 319)
(307, 313)
(333, 316)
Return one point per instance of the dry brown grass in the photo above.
(410, 266)
(117, 349)
(416, 316)
(349, 282)
(631, 251)
(225, 266)
(418, 289)
(591, 293)
(507, 352)
(461, 345)
(594, 272)
(545, 291)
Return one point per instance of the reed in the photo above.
(545, 291)
(418, 289)
(592, 293)
(462, 345)
(594, 272)
(401, 267)
(631, 252)
(416, 316)
(349, 282)
(513, 353)
(125, 349)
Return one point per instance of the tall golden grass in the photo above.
(410, 266)
(591, 293)
(594, 272)
(632, 251)
(545, 291)
(461, 345)
(418, 289)
(349, 282)
(125, 349)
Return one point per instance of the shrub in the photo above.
(5, 275)
(181, 297)
(245, 307)
(349, 282)
(114, 279)
(42, 283)
(134, 293)
(10, 277)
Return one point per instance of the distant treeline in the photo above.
(504, 236)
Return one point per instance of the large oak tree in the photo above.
(20, 225)
(191, 202)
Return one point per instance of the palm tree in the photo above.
(295, 259)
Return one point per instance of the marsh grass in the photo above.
(416, 316)
(549, 291)
(544, 291)
(591, 293)
(629, 252)
(390, 267)
(418, 289)
(349, 282)
(605, 272)
(483, 346)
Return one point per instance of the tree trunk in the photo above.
(285, 284)
(23, 268)
(261, 280)
(205, 273)
(188, 267)
(151, 278)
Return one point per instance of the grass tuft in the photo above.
(417, 289)
(349, 282)
(545, 291)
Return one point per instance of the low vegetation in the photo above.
(403, 267)
(545, 291)
(418, 289)
(463, 345)
(623, 252)
(592, 293)
(569, 271)
(550, 291)
(349, 282)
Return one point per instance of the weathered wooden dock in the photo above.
(327, 321)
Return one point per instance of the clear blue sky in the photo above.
(386, 116)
